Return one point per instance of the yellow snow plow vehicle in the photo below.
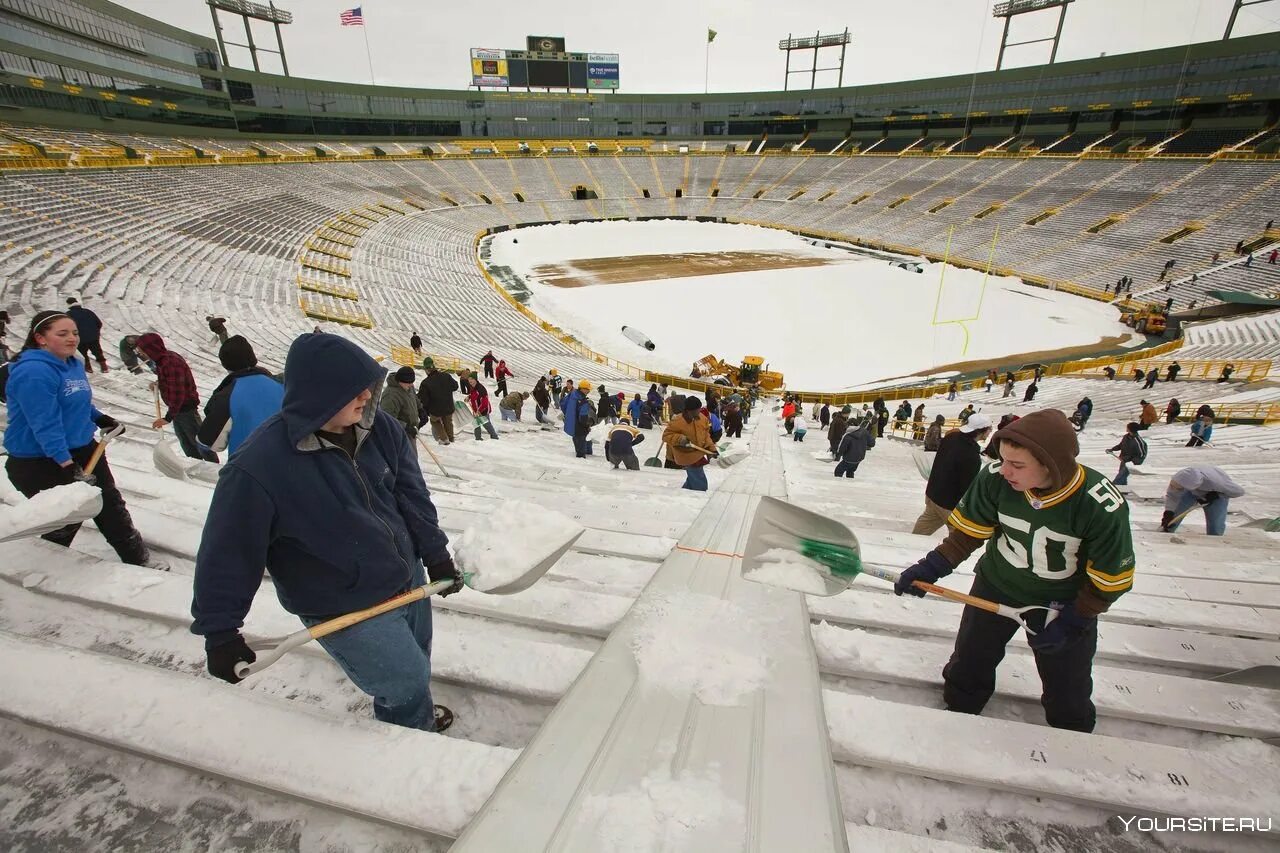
(1150, 319)
(751, 371)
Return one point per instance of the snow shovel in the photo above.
(724, 460)
(653, 461)
(436, 459)
(279, 647)
(834, 559)
(48, 511)
(155, 391)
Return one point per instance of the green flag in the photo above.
(711, 35)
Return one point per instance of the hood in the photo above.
(237, 354)
(152, 346)
(1051, 439)
(321, 375)
(41, 356)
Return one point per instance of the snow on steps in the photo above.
(637, 756)
(541, 672)
(425, 782)
(1120, 775)
(1128, 694)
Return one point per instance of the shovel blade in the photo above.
(532, 573)
(772, 554)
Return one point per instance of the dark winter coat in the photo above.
(622, 439)
(435, 393)
(854, 445)
(824, 416)
(338, 532)
(540, 395)
(87, 324)
(1131, 447)
(954, 468)
(415, 343)
(402, 404)
(655, 401)
(836, 431)
(933, 437)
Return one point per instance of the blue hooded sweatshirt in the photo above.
(50, 407)
(338, 534)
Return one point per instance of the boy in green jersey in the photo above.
(1056, 533)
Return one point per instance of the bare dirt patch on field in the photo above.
(622, 270)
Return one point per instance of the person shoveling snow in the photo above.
(1058, 551)
(331, 499)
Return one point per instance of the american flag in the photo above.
(352, 18)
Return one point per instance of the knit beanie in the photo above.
(404, 374)
(236, 353)
(692, 404)
(1052, 441)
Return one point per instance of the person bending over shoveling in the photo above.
(329, 497)
(1056, 533)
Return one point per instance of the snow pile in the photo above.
(785, 568)
(865, 302)
(665, 812)
(502, 548)
(700, 644)
(50, 510)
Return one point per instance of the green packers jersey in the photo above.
(1043, 548)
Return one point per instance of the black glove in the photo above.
(1069, 626)
(224, 656)
(930, 568)
(444, 571)
(1209, 497)
(73, 473)
(106, 423)
(1166, 520)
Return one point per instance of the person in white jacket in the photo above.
(1207, 485)
(801, 427)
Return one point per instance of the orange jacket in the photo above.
(1148, 415)
(698, 432)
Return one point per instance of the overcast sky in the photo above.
(662, 42)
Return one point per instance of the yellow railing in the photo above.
(1246, 370)
(406, 357)
(329, 289)
(915, 432)
(1268, 413)
(325, 266)
(337, 315)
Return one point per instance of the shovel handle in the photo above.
(273, 653)
(101, 448)
(962, 597)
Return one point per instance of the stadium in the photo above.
(992, 244)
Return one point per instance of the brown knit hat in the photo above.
(1051, 439)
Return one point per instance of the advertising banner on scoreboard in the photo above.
(489, 67)
(602, 70)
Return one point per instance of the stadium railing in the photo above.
(1246, 370)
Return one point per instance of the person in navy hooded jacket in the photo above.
(328, 496)
(49, 437)
(246, 397)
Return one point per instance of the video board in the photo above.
(544, 69)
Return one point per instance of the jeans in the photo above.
(629, 460)
(540, 415)
(185, 426)
(507, 414)
(695, 479)
(798, 435)
(389, 658)
(1122, 476)
(34, 475)
(847, 469)
(488, 425)
(580, 443)
(1066, 676)
(1215, 514)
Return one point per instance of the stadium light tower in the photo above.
(815, 43)
(258, 12)
(1235, 10)
(1009, 8)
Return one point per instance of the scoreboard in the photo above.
(544, 64)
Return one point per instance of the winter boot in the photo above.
(443, 718)
(104, 367)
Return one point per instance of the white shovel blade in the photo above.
(50, 510)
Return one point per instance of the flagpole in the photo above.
(367, 55)
(706, 70)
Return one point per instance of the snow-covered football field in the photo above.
(850, 321)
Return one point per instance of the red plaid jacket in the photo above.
(177, 385)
